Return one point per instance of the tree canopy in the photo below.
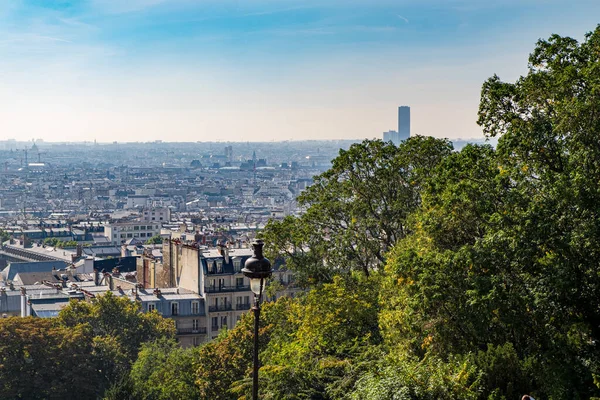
(357, 210)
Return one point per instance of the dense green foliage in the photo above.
(357, 210)
(87, 349)
(57, 242)
(4, 236)
(156, 239)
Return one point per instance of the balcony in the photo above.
(222, 289)
(221, 307)
(215, 328)
(191, 331)
(244, 306)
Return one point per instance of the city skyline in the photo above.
(179, 70)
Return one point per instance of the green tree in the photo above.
(40, 360)
(504, 250)
(357, 210)
(317, 350)
(119, 329)
(164, 371)
(156, 239)
(57, 242)
(4, 236)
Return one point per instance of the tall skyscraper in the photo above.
(403, 122)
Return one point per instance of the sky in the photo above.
(262, 70)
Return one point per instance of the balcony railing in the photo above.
(191, 331)
(236, 288)
(243, 306)
(222, 307)
(215, 328)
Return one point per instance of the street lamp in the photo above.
(258, 269)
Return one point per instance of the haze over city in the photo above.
(184, 70)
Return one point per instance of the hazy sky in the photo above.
(189, 70)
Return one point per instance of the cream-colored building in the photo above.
(215, 275)
(119, 232)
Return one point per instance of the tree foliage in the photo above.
(118, 320)
(156, 239)
(87, 349)
(493, 268)
(57, 242)
(40, 360)
(357, 210)
(164, 371)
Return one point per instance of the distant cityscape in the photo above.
(141, 219)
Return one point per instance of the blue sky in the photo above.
(188, 70)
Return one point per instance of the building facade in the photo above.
(120, 232)
(403, 123)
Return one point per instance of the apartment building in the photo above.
(214, 274)
(119, 232)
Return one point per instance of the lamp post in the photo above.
(257, 268)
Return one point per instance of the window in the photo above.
(215, 323)
(153, 218)
(196, 341)
(151, 307)
(219, 266)
(237, 264)
(122, 236)
(238, 301)
(246, 299)
(195, 307)
(174, 308)
(210, 265)
(221, 283)
(239, 282)
(195, 324)
(136, 228)
(224, 322)
(129, 235)
(115, 235)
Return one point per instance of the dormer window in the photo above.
(219, 266)
(237, 264)
(210, 264)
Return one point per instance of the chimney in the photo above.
(3, 299)
(96, 276)
(79, 250)
(23, 302)
(26, 241)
